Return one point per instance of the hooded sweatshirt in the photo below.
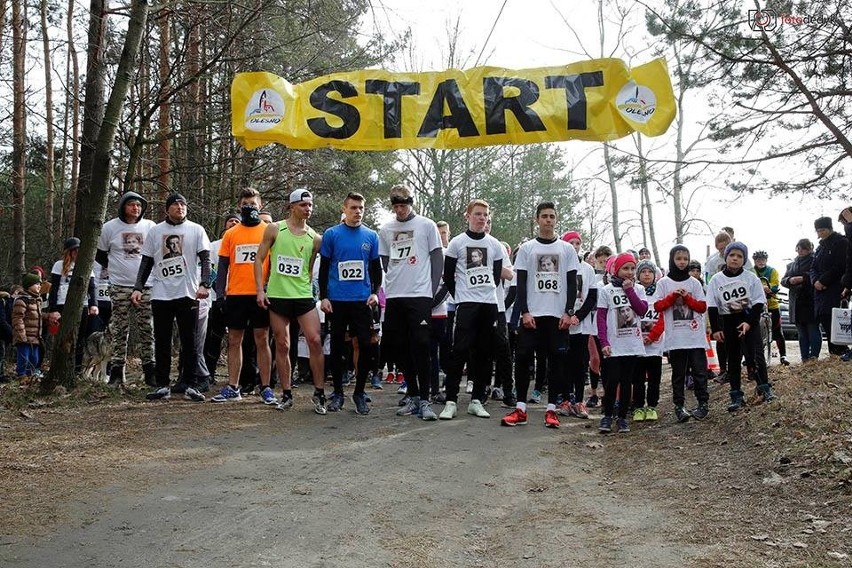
(120, 243)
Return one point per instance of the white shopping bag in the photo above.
(841, 326)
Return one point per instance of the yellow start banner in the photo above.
(599, 100)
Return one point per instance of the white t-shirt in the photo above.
(123, 244)
(502, 285)
(440, 311)
(408, 245)
(175, 249)
(65, 282)
(475, 268)
(214, 263)
(623, 325)
(585, 283)
(546, 265)
(685, 328)
(735, 295)
(648, 320)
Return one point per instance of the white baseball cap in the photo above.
(299, 195)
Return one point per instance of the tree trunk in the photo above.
(19, 137)
(93, 110)
(72, 114)
(613, 191)
(48, 100)
(164, 180)
(62, 366)
(646, 197)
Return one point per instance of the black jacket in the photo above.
(847, 277)
(801, 295)
(828, 268)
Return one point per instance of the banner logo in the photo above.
(265, 110)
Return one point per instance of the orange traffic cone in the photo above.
(712, 360)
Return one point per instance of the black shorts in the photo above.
(546, 335)
(291, 308)
(243, 311)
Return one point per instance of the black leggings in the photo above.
(474, 343)
(577, 363)
(693, 362)
(618, 377)
(406, 336)
(549, 343)
(751, 346)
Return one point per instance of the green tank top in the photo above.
(290, 261)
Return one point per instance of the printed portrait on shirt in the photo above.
(131, 244)
(476, 257)
(402, 247)
(547, 263)
(172, 246)
(625, 317)
(680, 311)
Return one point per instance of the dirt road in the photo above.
(188, 485)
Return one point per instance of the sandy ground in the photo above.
(120, 482)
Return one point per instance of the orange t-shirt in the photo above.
(239, 246)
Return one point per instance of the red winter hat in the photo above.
(620, 261)
(571, 235)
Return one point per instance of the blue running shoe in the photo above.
(376, 382)
(268, 397)
(360, 401)
(227, 394)
(336, 403)
(403, 388)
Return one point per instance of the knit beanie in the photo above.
(175, 198)
(693, 265)
(739, 246)
(620, 261)
(646, 264)
(29, 279)
(571, 235)
(823, 223)
(71, 243)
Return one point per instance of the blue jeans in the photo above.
(810, 340)
(27, 359)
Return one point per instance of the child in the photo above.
(682, 304)
(26, 326)
(620, 305)
(649, 367)
(736, 300)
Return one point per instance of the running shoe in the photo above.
(605, 425)
(403, 401)
(360, 401)
(440, 398)
(785, 362)
(623, 426)
(496, 393)
(639, 415)
(450, 411)
(700, 412)
(651, 414)
(286, 403)
(565, 409)
(319, 403)
(410, 407)
(593, 401)
(376, 382)
(191, 393)
(515, 418)
(535, 398)
(391, 378)
(475, 408)
(403, 388)
(426, 412)
(335, 404)
(550, 419)
(400, 378)
(268, 397)
(162, 393)
(682, 414)
(580, 410)
(227, 394)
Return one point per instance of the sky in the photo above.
(532, 33)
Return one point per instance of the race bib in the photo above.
(619, 300)
(289, 266)
(172, 268)
(350, 270)
(245, 254)
(103, 292)
(734, 296)
(479, 277)
(547, 282)
(402, 249)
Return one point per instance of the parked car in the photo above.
(788, 328)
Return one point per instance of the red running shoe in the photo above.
(390, 378)
(400, 378)
(515, 418)
(550, 419)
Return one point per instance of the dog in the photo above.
(97, 354)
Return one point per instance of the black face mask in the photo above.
(249, 215)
